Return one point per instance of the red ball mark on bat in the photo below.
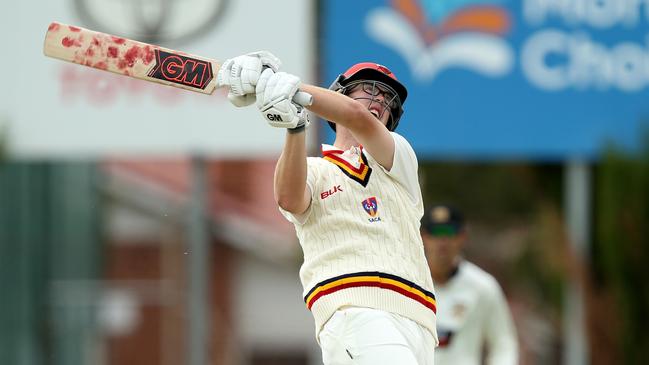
(96, 41)
(121, 64)
(90, 52)
(54, 27)
(74, 29)
(113, 52)
(68, 42)
(132, 55)
(149, 55)
(118, 40)
(101, 65)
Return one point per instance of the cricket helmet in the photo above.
(369, 71)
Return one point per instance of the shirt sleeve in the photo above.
(501, 340)
(405, 166)
(301, 218)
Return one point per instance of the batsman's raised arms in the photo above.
(135, 59)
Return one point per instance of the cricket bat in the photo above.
(136, 59)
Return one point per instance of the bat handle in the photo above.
(303, 98)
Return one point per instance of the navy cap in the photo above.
(442, 220)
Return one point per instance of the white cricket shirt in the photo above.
(471, 313)
(360, 236)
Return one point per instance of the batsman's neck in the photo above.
(344, 139)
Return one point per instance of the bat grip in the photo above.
(303, 98)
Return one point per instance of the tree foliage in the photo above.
(621, 248)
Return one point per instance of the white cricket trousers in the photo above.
(365, 336)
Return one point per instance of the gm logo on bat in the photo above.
(181, 69)
(274, 117)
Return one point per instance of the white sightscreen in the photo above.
(54, 109)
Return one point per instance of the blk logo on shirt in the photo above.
(327, 193)
(371, 206)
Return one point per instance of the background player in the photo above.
(472, 311)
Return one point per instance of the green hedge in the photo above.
(621, 247)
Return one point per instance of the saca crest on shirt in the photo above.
(371, 206)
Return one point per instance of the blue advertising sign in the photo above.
(503, 79)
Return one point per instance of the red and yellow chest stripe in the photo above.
(360, 174)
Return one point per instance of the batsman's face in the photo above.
(376, 96)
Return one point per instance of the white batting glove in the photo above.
(275, 91)
(241, 74)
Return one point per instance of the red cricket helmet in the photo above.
(373, 72)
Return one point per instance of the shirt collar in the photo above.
(328, 149)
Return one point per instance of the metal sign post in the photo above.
(577, 193)
(198, 264)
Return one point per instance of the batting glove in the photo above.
(275, 91)
(241, 75)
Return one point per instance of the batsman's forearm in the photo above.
(338, 108)
(353, 115)
(291, 173)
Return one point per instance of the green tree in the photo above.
(621, 247)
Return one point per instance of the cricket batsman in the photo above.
(356, 209)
